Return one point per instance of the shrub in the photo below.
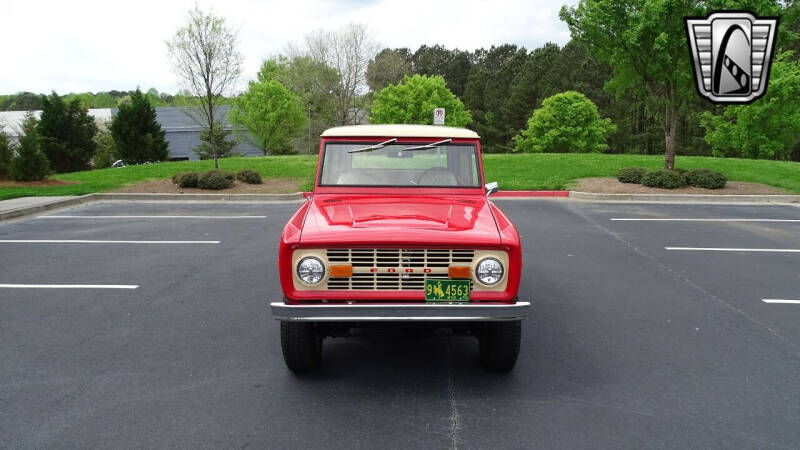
(706, 178)
(215, 180)
(186, 179)
(248, 176)
(106, 152)
(667, 179)
(631, 174)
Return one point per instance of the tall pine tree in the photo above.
(67, 134)
(137, 133)
(30, 164)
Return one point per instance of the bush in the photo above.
(666, 179)
(706, 178)
(631, 174)
(215, 180)
(248, 176)
(186, 179)
(106, 152)
(566, 122)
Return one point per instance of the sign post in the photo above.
(438, 116)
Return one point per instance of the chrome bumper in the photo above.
(422, 312)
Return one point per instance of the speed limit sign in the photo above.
(438, 116)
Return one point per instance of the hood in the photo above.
(408, 220)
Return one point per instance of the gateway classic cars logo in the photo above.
(731, 52)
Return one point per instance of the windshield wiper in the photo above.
(373, 147)
(427, 146)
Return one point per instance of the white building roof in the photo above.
(11, 121)
(426, 131)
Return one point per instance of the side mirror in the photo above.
(491, 188)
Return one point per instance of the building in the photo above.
(181, 128)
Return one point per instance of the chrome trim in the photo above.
(422, 312)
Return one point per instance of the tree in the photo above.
(390, 66)
(207, 63)
(348, 51)
(566, 122)
(644, 41)
(271, 113)
(452, 65)
(768, 128)
(106, 153)
(30, 164)
(137, 134)
(215, 142)
(6, 154)
(414, 100)
(67, 134)
(315, 84)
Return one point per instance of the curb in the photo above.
(27, 210)
(683, 198)
(198, 197)
(520, 194)
(89, 198)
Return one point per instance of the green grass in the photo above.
(512, 172)
(556, 171)
(301, 168)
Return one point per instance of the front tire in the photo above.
(499, 345)
(301, 345)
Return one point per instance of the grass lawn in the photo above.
(512, 172)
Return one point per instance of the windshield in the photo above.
(400, 165)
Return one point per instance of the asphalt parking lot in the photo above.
(646, 334)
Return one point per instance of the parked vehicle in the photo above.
(399, 229)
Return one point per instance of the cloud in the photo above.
(83, 46)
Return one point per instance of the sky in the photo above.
(90, 46)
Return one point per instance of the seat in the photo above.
(437, 176)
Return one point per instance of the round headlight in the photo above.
(310, 270)
(489, 271)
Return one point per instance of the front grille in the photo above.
(370, 267)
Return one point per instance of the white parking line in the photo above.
(152, 217)
(633, 219)
(780, 300)
(68, 286)
(719, 249)
(83, 241)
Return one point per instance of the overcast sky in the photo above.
(79, 46)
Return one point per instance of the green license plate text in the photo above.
(447, 290)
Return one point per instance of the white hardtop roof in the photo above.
(426, 131)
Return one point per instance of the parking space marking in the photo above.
(85, 241)
(68, 286)
(152, 217)
(719, 249)
(780, 300)
(633, 219)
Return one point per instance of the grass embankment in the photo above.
(512, 172)
(301, 168)
(556, 171)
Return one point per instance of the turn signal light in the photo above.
(459, 272)
(341, 271)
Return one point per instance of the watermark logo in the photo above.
(731, 55)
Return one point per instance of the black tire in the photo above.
(499, 345)
(301, 345)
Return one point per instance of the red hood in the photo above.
(335, 219)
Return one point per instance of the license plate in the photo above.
(447, 290)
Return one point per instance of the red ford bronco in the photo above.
(399, 228)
